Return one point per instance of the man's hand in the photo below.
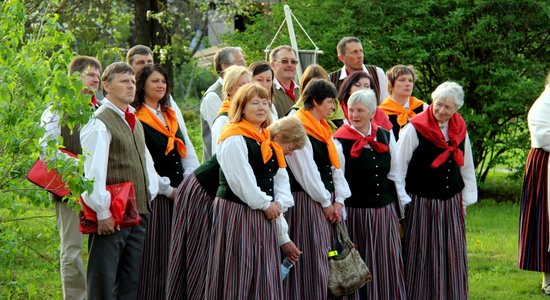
(107, 226)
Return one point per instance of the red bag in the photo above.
(49, 180)
(123, 208)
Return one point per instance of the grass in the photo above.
(29, 254)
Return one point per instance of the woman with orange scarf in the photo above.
(234, 77)
(435, 178)
(173, 155)
(319, 190)
(401, 106)
(248, 225)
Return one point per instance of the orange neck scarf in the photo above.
(263, 137)
(145, 115)
(320, 130)
(390, 107)
(225, 107)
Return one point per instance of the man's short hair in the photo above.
(343, 43)
(274, 52)
(137, 50)
(83, 62)
(116, 68)
(224, 56)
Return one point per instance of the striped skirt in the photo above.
(375, 231)
(435, 256)
(313, 235)
(154, 260)
(244, 260)
(191, 224)
(533, 224)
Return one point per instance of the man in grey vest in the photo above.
(73, 278)
(350, 53)
(286, 91)
(213, 97)
(115, 152)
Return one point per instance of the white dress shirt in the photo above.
(95, 139)
(210, 105)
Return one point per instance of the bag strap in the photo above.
(342, 236)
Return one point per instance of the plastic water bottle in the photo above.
(285, 268)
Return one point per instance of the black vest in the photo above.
(441, 183)
(264, 173)
(165, 165)
(367, 175)
(320, 156)
(396, 128)
(208, 175)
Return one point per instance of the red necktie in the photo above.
(290, 91)
(131, 119)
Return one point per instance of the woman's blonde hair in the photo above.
(242, 97)
(231, 78)
(289, 130)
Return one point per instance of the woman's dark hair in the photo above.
(141, 79)
(316, 91)
(353, 78)
(259, 67)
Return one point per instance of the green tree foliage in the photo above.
(33, 74)
(497, 50)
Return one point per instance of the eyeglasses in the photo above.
(286, 61)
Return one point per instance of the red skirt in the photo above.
(533, 223)
(191, 227)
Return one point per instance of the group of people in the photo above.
(282, 163)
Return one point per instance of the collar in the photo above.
(110, 105)
(368, 131)
(279, 86)
(343, 73)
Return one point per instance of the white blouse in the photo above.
(306, 173)
(408, 142)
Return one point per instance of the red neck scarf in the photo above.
(426, 124)
(263, 137)
(290, 90)
(321, 131)
(347, 133)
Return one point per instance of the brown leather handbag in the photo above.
(347, 270)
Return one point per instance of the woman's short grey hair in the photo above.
(365, 97)
(449, 90)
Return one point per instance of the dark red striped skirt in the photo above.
(375, 231)
(191, 226)
(435, 256)
(533, 223)
(154, 260)
(244, 260)
(313, 235)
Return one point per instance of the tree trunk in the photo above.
(150, 32)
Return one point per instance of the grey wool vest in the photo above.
(205, 129)
(126, 160)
